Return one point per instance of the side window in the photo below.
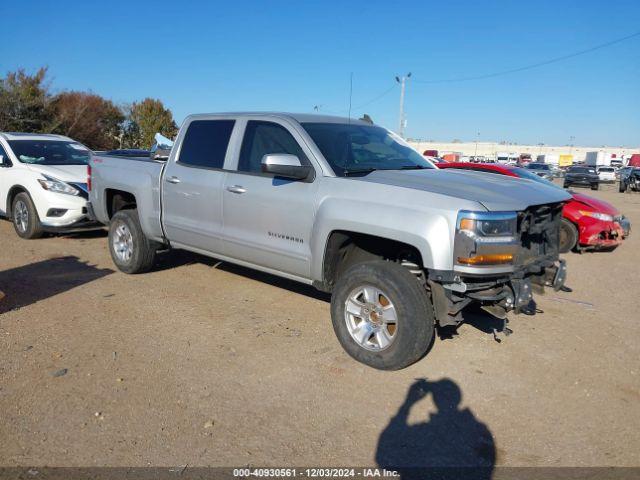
(262, 138)
(205, 143)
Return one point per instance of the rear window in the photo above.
(581, 170)
(538, 166)
(205, 143)
(607, 169)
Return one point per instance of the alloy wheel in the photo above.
(371, 318)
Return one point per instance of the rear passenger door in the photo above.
(192, 185)
(267, 219)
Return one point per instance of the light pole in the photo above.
(402, 81)
(475, 155)
(571, 139)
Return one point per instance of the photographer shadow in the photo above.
(451, 443)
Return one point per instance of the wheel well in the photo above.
(117, 200)
(345, 248)
(15, 190)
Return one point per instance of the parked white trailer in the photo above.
(598, 159)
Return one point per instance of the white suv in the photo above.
(607, 174)
(43, 183)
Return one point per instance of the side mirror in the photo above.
(286, 166)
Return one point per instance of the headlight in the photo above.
(488, 224)
(600, 216)
(57, 186)
(485, 238)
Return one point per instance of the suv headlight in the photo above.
(57, 186)
(485, 238)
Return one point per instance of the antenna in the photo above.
(350, 94)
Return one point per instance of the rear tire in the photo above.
(25, 217)
(130, 249)
(568, 236)
(393, 292)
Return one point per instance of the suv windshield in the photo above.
(538, 166)
(361, 149)
(50, 152)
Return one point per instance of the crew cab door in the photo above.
(192, 185)
(267, 219)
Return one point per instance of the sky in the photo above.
(215, 56)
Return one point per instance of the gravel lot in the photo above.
(203, 363)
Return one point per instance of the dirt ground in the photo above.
(202, 363)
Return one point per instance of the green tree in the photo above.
(145, 119)
(25, 102)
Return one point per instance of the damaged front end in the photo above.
(597, 234)
(501, 260)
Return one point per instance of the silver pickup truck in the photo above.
(345, 206)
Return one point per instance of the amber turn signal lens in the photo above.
(467, 224)
(495, 259)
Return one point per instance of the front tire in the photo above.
(622, 187)
(382, 315)
(25, 217)
(130, 249)
(568, 236)
(566, 185)
(595, 186)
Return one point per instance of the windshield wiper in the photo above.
(412, 167)
(364, 171)
(358, 171)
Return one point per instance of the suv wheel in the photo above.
(595, 186)
(381, 315)
(130, 249)
(25, 217)
(568, 236)
(622, 187)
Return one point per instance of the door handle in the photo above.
(236, 189)
(173, 179)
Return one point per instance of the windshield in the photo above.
(50, 152)
(538, 166)
(360, 149)
(523, 173)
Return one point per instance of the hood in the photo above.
(494, 192)
(595, 204)
(66, 173)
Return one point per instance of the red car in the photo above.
(587, 223)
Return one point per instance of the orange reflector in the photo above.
(487, 259)
(467, 224)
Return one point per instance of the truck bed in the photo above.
(137, 176)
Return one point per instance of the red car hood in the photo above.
(597, 205)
